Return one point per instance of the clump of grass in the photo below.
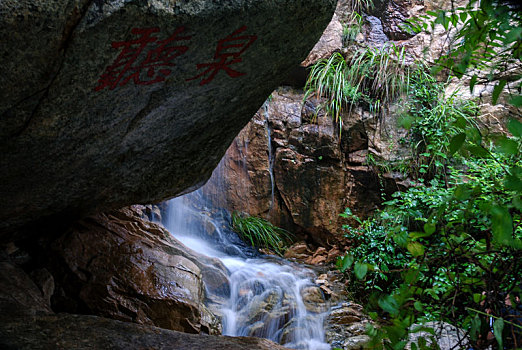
(328, 79)
(372, 76)
(260, 233)
(352, 28)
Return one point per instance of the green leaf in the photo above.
(498, 327)
(389, 304)
(475, 328)
(516, 101)
(400, 238)
(502, 225)
(347, 262)
(473, 135)
(515, 127)
(497, 90)
(506, 146)
(422, 328)
(399, 345)
(460, 122)
(360, 270)
(513, 35)
(422, 342)
(429, 228)
(478, 151)
(513, 182)
(432, 293)
(373, 315)
(456, 142)
(472, 83)
(418, 306)
(463, 192)
(517, 202)
(406, 121)
(410, 276)
(415, 248)
(478, 297)
(415, 234)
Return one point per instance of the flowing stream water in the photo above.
(268, 297)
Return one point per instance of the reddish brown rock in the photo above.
(345, 315)
(333, 254)
(313, 299)
(119, 266)
(298, 250)
(307, 175)
(317, 260)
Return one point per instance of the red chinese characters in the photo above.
(145, 60)
(228, 52)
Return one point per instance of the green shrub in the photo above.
(455, 247)
(449, 248)
(433, 119)
(260, 233)
(352, 28)
(373, 250)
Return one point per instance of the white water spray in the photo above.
(270, 155)
(267, 294)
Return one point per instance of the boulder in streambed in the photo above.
(120, 266)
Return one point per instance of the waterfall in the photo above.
(268, 297)
(243, 157)
(270, 155)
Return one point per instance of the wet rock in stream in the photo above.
(346, 327)
(313, 299)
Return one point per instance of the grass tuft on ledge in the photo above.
(260, 233)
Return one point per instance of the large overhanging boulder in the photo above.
(107, 103)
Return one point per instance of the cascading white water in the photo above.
(270, 155)
(266, 293)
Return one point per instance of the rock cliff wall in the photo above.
(301, 173)
(306, 173)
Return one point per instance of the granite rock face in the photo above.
(19, 295)
(110, 103)
(393, 14)
(330, 41)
